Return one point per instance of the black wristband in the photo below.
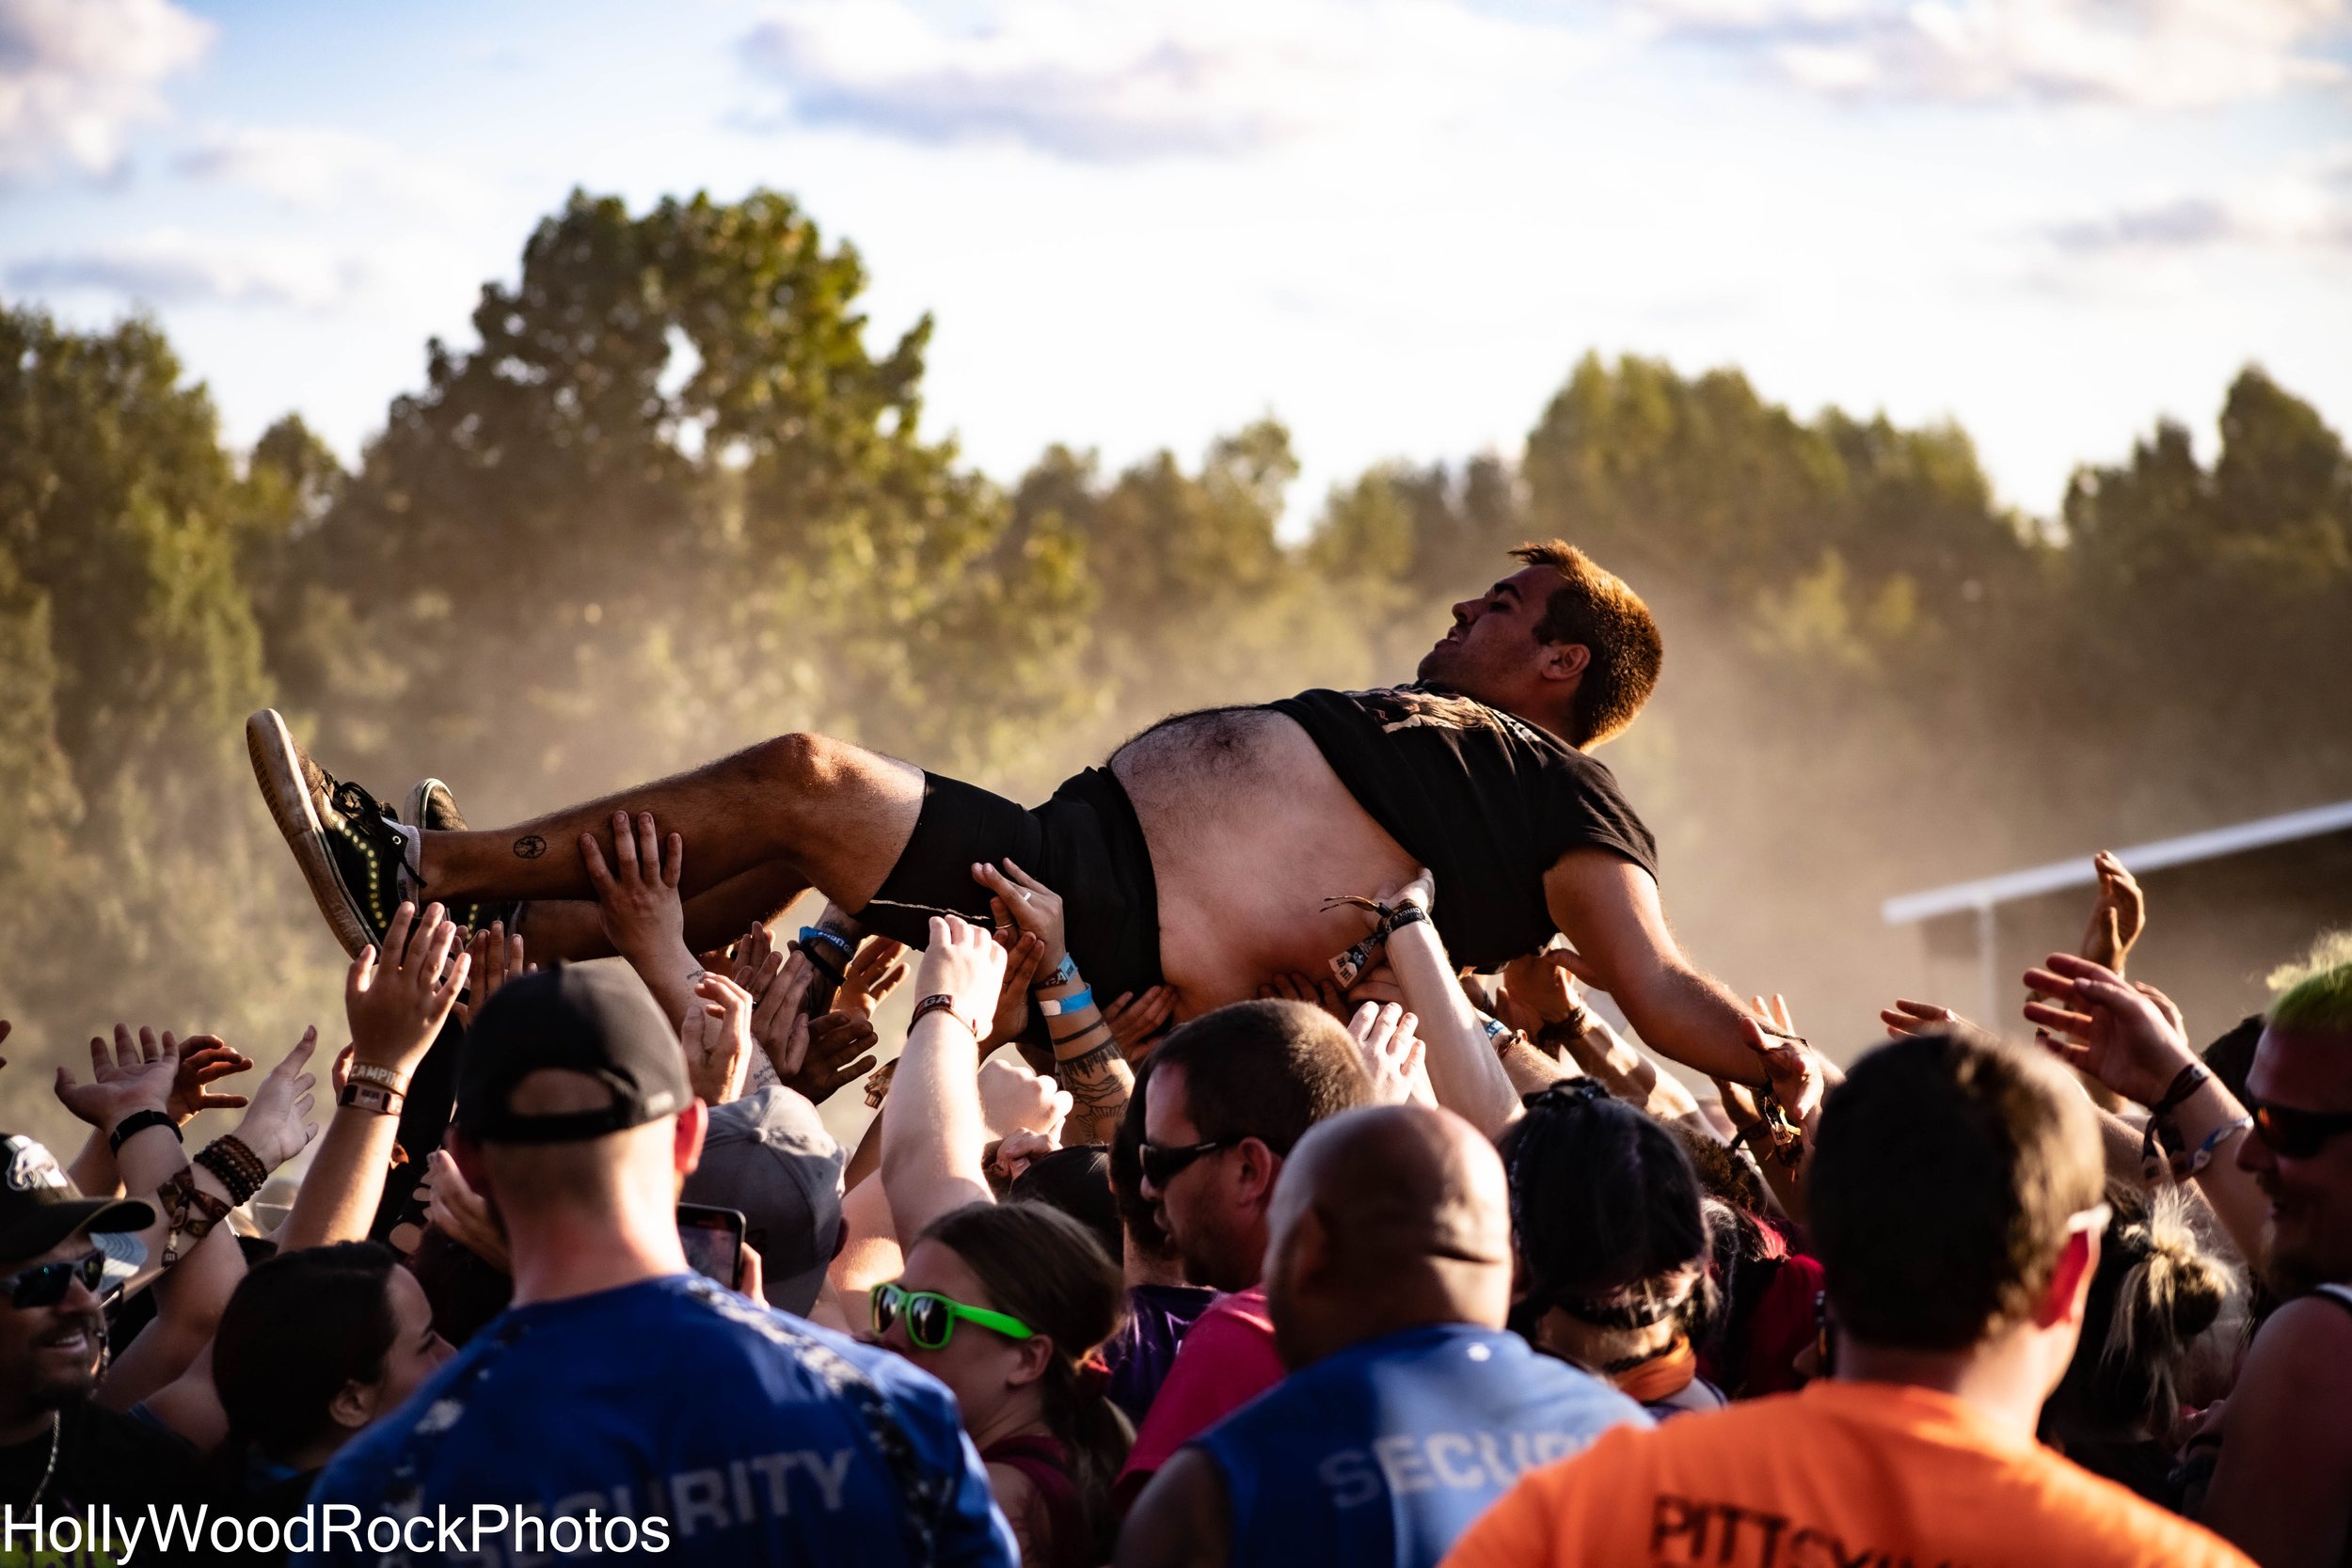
(139, 1121)
(2184, 1082)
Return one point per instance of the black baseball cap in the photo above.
(39, 1207)
(595, 1020)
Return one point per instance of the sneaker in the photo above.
(434, 808)
(350, 847)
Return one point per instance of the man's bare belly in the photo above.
(1250, 831)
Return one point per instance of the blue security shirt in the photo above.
(1385, 1452)
(670, 1409)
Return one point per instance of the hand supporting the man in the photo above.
(933, 1134)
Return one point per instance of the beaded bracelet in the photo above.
(239, 1168)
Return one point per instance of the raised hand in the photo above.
(964, 962)
(748, 962)
(277, 1125)
(1539, 990)
(873, 974)
(137, 1076)
(1023, 962)
(1790, 1068)
(1907, 1018)
(1133, 1020)
(396, 1002)
(779, 1028)
(1027, 903)
(2117, 915)
(204, 1059)
(835, 1049)
(2114, 1032)
(1019, 1149)
(493, 957)
(462, 1214)
(1013, 1098)
(637, 896)
(716, 1036)
(1392, 1053)
(1314, 991)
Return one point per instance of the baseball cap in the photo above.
(592, 1020)
(39, 1207)
(769, 1154)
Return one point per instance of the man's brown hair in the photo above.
(1264, 1070)
(1946, 1175)
(1595, 609)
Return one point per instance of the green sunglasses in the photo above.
(931, 1317)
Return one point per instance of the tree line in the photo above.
(674, 497)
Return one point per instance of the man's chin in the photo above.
(53, 1387)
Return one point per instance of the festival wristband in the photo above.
(383, 1077)
(139, 1121)
(1351, 964)
(941, 1002)
(2185, 1168)
(371, 1097)
(1076, 1002)
(1064, 973)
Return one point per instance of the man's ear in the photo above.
(2070, 1282)
(692, 1123)
(1256, 1171)
(1564, 661)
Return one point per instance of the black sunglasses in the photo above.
(46, 1285)
(2297, 1134)
(1163, 1163)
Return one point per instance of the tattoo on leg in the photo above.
(530, 846)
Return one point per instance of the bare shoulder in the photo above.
(1179, 1520)
(1023, 1509)
(2304, 1352)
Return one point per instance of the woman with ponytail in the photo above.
(1009, 1304)
(2157, 1293)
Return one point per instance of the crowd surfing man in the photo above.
(621, 1392)
(1203, 855)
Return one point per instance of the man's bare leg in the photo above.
(818, 811)
(570, 930)
(832, 815)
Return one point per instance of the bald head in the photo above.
(1387, 1218)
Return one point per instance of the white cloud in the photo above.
(2163, 55)
(75, 75)
(169, 266)
(313, 166)
(2307, 206)
(1147, 78)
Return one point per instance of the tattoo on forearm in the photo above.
(530, 846)
(1100, 1081)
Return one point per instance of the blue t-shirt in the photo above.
(1385, 1452)
(670, 1409)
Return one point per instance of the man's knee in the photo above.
(796, 764)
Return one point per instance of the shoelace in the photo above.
(374, 820)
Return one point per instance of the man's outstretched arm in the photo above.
(1608, 907)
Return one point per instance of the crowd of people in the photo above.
(1406, 1261)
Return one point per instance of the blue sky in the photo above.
(1394, 223)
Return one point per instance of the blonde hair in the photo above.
(2315, 995)
(2170, 1292)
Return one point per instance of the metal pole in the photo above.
(1989, 967)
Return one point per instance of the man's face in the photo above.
(49, 1355)
(1491, 650)
(1195, 1209)
(2310, 1198)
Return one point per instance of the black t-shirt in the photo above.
(1484, 799)
(103, 1457)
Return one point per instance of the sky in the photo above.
(1394, 224)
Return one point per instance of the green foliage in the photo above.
(671, 501)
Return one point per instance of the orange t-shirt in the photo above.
(1840, 1475)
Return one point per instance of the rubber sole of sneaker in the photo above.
(278, 769)
(421, 812)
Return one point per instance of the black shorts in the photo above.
(1085, 843)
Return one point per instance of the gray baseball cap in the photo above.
(768, 1155)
